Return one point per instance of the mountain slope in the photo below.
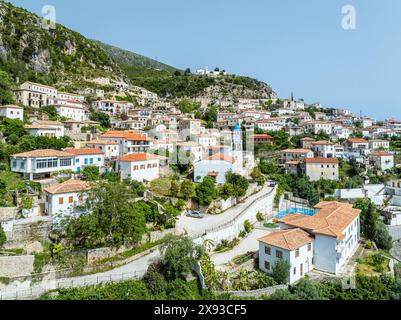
(31, 51)
(128, 58)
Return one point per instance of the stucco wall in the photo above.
(16, 266)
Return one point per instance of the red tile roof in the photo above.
(322, 160)
(291, 239)
(69, 186)
(84, 151)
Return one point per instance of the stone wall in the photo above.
(17, 266)
(31, 229)
(7, 214)
(255, 293)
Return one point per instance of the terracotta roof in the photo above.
(222, 157)
(127, 135)
(69, 186)
(213, 174)
(84, 151)
(44, 153)
(101, 142)
(381, 154)
(48, 123)
(357, 140)
(322, 142)
(331, 220)
(11, 106)
(136, 157)
(307, 139)
(297, 150)
(322, 160)
(265, 136)
(291, 239)
(38, 126)
(294, 162)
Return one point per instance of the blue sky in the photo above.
(294, 45)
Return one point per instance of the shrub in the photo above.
(3, 237)
(281, 271)
(248, 226)
(260, 217)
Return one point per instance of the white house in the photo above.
(295, 155)
(336, 229)
(65, 197)
(317, 126)
(40, 163)
(323, 149)
(140, 166)
(12, 112)
(216, 166)
(322, 168)
(41, 131)
(110, 148)
(381, 160)
(293, 245)
(53, 124)
(71, 112)
(325, 241)
(87, 157)
(378, 144)
(129, 141)
(194, 148)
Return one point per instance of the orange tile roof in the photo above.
(136, 157)
(102, 142)
(297, 150)
(331, 220)
(69, 186)
(357, 140)
(127, 135)
(322, 160)
(322, 142)
(84, 151)
(48, 123)
(380, 154)
(44, 153)
(222, 157)
(291, 239)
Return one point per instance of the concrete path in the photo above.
(249, 244)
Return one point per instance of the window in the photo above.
(86, 161)
(297, 253)
(80, 198)
(91, 161)
(279, 254)
(65, 162)
(295, 270)
(71, 199)
(77, 161)
(268, 250)
(99, 159)
(309, 247)
(61, 200)
(267, 265)
(47, 163)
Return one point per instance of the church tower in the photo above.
(236, 145)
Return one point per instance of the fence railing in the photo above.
(235, 219)
(38, 290)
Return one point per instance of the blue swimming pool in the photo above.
(303, 211)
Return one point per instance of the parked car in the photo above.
(195, 214)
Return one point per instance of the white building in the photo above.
(317, 126)
(293, 245)
(87, 157)
(12, 112)
(295, 155)
(41, 163)
(378, 144)
(193, 148)
(58, 126)
(381, 160)
(216, 166)
(140, 167)
(64, 198)
(113, 107)
(322, 168)
(129, 141)
(71, 112)
(41, 131)
(110, 148)
(323, 149)
(334, 234)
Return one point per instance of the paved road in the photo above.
(196, 226)
(138, 267)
